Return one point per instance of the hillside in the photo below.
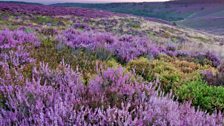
(20, 2)
(63, 66)
(207, 15)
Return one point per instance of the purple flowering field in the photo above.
(63, 66)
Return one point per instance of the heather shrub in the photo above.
(49, 93)
(128, 48)
(156, 69)
(170, 71)
(14, 63)
(103, 54)
(117, 85)
(48, 11)
(15, 58)
(206, 58)
(203, 58)
(190, 70)
(124, 48)
(45, 20)
(82, 59)
(58, 97)
(142, 67)
(112, 63)
(208, 98)
(11, 39)
(215, 78)
(186, 67)
(49, 31)
(168, 74)
(47, 53)
(82, 26)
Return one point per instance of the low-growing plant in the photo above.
(156, 69)
(142, 67)
(215, 78)
(207, 97)
(170, 71)
(45, 20)
(89, 70)
(49, 31)
(112, 63)
(58, 97)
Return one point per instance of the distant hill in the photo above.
(139, 9)
(200, 1)
(20, 2)
(205, 15)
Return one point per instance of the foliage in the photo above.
(168, 75)
(171, 72)
(58, 97)
(124, 47)
(73, 66)
(11, 39)
(52, 11)
(214, 78)
(207, 97)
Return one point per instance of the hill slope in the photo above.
(207, 15)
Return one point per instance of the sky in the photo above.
(84, 1)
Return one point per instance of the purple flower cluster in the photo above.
(212, 78)
(125, 47)
(214, 59)
(14, 46)
(128, 47)
(199, 57)
(58, 97)
(11, 39)
(14, 54)
(82, 26)
(16, 58)
(52, 11)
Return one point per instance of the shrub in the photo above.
(112, 63)
(45, 20)
(203, 58)
(206, 97)
(142, 67)
(11, 39)
(49, 32)
(125, 47)
(214, 78)
(82, 59)
(103, 54)
(58, 97)
(15, 58)
(171, 72)
(206, 58)
(117, 85)
(156, 69)
(168, 74)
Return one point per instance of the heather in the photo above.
(60, 98)
(51, 11)
(74, 68)
(214, 77)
